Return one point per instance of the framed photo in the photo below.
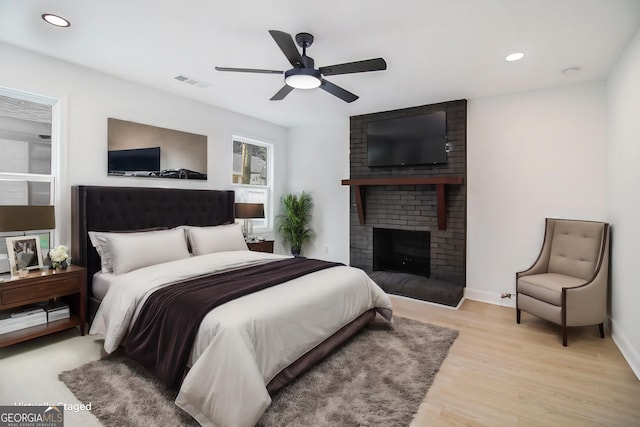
(24, 252)
(45, 243)
(4, 257)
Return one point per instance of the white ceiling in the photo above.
(436, 50)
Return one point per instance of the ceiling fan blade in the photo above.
(249, 70)
(286, 89)
(376, 64)
(288, 47)
(335, 90)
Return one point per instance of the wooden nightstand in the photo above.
(262, 246)
(68, 285)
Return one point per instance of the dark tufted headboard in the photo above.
(96, 208)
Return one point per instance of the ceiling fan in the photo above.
(303, 75)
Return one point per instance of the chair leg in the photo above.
(601, 328)
(518, 316)
(564, 335)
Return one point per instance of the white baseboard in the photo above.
(629, 352)
(489, 297)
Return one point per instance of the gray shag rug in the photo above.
(379, 377)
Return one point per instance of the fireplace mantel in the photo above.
(440, 183)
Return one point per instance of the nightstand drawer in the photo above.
(261, 246)
(40, 291)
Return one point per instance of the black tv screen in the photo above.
(408, 141)
(137, 159)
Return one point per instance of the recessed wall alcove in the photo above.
(413, 198)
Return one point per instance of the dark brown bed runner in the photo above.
(162, 336)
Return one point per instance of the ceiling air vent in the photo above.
(193, 82)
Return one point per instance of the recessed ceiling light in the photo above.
(516, 56)
(56, 20)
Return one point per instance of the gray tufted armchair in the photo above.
(567, 284)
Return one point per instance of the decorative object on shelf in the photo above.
(24, 254)
(248, 211)
(293, 223)
(21, 318)
(21, 255)
(55, 310)
(60, 258)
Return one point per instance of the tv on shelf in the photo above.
(408, 141)
(134, 160)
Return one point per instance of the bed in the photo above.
(246, 349)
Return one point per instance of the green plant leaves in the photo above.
(293, 223)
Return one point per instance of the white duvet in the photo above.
(244, 343)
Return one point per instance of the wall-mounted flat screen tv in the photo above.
(134, 160)
(408, 141)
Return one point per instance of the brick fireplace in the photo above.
(429, 199)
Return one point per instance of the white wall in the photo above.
(318, 162)
(89, 98)
(624, 200)
(529, 156)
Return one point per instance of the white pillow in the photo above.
(123, 252)
(98, 240)
(219, 238)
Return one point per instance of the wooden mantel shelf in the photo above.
(439, 181)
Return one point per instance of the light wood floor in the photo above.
(497, 373)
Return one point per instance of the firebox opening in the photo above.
(402, 251)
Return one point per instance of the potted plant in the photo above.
(293, 223)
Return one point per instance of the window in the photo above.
(28, 160)
(252, 176)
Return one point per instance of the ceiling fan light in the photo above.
(302, 78)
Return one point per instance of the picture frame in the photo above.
(24, 252)
(4, 256)
(45, 244)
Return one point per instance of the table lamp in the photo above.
(26, 218)
(248, 211)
